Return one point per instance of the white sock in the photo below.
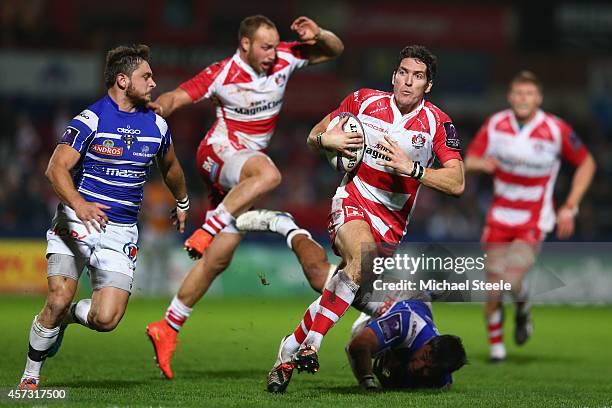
(177, 313)
(498, 350)
(283, 225)
(32, 369)
(81, 311)
(289, 348)
(295, 232)
(41, 340)
(70, 317)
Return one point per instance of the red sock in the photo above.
(177, 314)
(336, 299)
(303, 328)
(495, 328)
(216, 221)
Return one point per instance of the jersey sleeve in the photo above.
(202, 86)
(572, 148)
(479, 144)
(297, 52)
(166, 141)
(390, 329)
(446, 142)
(80, 131)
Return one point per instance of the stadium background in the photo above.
(51, 61)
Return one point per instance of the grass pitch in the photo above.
(228, 346)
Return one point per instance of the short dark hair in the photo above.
(526, 77)
(250, 24)
(422, 54)
(447, 355)
(124, 60)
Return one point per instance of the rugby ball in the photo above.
(336, 159)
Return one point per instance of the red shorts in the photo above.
(220, 164)
(495, 234)
(346, 208)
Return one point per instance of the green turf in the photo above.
(228, 346)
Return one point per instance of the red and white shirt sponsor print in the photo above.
(248, 103)
(386, 197)
(529, 163)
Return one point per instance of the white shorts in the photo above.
(113, 249)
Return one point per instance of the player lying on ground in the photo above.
(98, 171)
(374, 203)
(401, 335)
(521, 147)
(248, 90)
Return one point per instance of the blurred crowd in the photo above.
(186, 35)
(27, 201)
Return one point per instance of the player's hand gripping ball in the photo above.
(339, 161)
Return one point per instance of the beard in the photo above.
(136, 98)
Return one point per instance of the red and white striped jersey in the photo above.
(248, 103)
(423, 134)
(528, 166)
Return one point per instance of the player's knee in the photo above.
(104, 321)
(218, 265)
(269, 179)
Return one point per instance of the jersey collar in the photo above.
(246, 67)
(409, 115)
(529, 126)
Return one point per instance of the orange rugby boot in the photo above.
(28, 383)
(163, 338)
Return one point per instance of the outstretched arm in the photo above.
(321, 45)
(168, 102)
(173, 176)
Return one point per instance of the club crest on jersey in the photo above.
(131, 250)
(418, 141)
(280, 79)
(538, 147)
(129, 140)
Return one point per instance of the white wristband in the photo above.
(183, 204)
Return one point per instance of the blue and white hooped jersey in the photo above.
(406, 326)
(117, 150)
